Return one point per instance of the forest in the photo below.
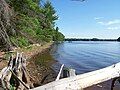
(25, 22)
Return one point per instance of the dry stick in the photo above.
(10, 64)
(8, 77)
(16, 60)
(2, 77)
(58, 76)
(19, 63)
(23, 61)
(19, 70)
(20, 80)
(26, 75)
(2, 71)
(6, 74)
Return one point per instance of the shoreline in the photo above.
(40, 67)
(34, 49)
(28, 52)
(39, 63)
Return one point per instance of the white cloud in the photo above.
(98, 18)
(113, 28)
(108, 24)
(113, 22)
(102, 23)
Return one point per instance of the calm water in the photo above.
(85, 56)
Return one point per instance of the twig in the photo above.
(58, 76)
(20, 80)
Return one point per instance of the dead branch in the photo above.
(15, 74)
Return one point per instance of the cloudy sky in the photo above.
(89, 19)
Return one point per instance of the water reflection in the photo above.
(85, 56)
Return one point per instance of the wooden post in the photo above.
(68, 73)
(72, 72)
(65, 73)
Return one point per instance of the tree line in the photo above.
(93, 39)
(24, 22)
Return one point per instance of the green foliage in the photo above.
(19, 41)
(58, 36)
(50, 14)
(34, 23)
(27, 7)
(22, 41)
(12, 87)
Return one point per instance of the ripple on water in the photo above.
(87, 56)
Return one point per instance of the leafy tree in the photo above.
(58, 36)
(29, 23)
(118, 39)
(50, 14)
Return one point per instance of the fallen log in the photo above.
(79, 82)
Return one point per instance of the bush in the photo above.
(22, 42)
(19, 41)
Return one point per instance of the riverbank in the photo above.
(40, 68)
(39, 62)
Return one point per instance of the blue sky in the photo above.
(89, 19)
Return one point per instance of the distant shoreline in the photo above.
(94, 39)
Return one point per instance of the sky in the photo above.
(88, 19)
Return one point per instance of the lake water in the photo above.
(85, 56)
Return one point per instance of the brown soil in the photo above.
(3, 63)
(40, 70)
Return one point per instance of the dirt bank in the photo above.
(39, 67)
(39, 62)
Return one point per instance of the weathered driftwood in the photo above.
(64, 72)
(58, 76)
(15, 74)
(79, 82)
(72, 72)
